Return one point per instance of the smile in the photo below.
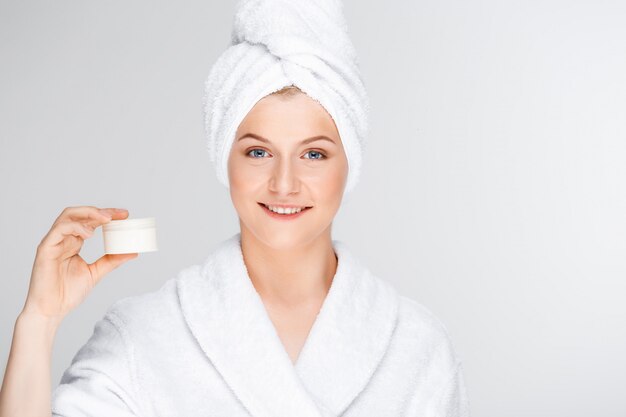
(287, 214)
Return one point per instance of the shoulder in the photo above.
(428, 354)
(156, 306)
(420, 318)
(426, 332)
(418, 328)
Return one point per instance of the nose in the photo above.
(284, 178)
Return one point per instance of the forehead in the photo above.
(288, 116)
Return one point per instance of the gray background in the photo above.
(492, 191)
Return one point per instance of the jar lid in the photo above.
(129, 224)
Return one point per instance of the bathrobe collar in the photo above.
(346, 343)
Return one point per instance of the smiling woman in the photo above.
(279, 320)
(276, 161)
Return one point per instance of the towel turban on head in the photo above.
(277, 43)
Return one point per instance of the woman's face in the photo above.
(278, 166)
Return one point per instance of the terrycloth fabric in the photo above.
(204, 345)
(276, 43)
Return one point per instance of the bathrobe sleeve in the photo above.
(452, 399)
(100, 380)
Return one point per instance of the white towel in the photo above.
(276, 43)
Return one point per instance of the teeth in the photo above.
(281, 210)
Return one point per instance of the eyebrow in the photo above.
(305, 141)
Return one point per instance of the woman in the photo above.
(279, 320)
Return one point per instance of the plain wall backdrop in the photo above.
(493, 187)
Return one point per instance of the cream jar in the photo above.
(130, 236)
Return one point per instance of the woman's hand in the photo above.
(60, 278)
(60, 281)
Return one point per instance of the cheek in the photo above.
(241, 184)
(336, 180)
(328, 183)
(241, 173)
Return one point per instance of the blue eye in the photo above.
(256, 149)
(260, 153)
(321, 155)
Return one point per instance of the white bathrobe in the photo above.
(204, 345)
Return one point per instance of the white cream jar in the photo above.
(130, 236)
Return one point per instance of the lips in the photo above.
(282, 205)
(283, 216)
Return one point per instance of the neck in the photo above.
(292, 277)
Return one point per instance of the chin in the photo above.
(285, 239)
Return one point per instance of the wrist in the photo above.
(40, 322)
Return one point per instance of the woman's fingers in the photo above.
(107, 263)
(114, 213)
(80, 223)
(82, 213)
(74, 225)
(67, 228)
(91, 215)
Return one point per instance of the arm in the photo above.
(26, 387)
(452, 399)
(60, 281)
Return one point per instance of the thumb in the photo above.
(107, 263)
